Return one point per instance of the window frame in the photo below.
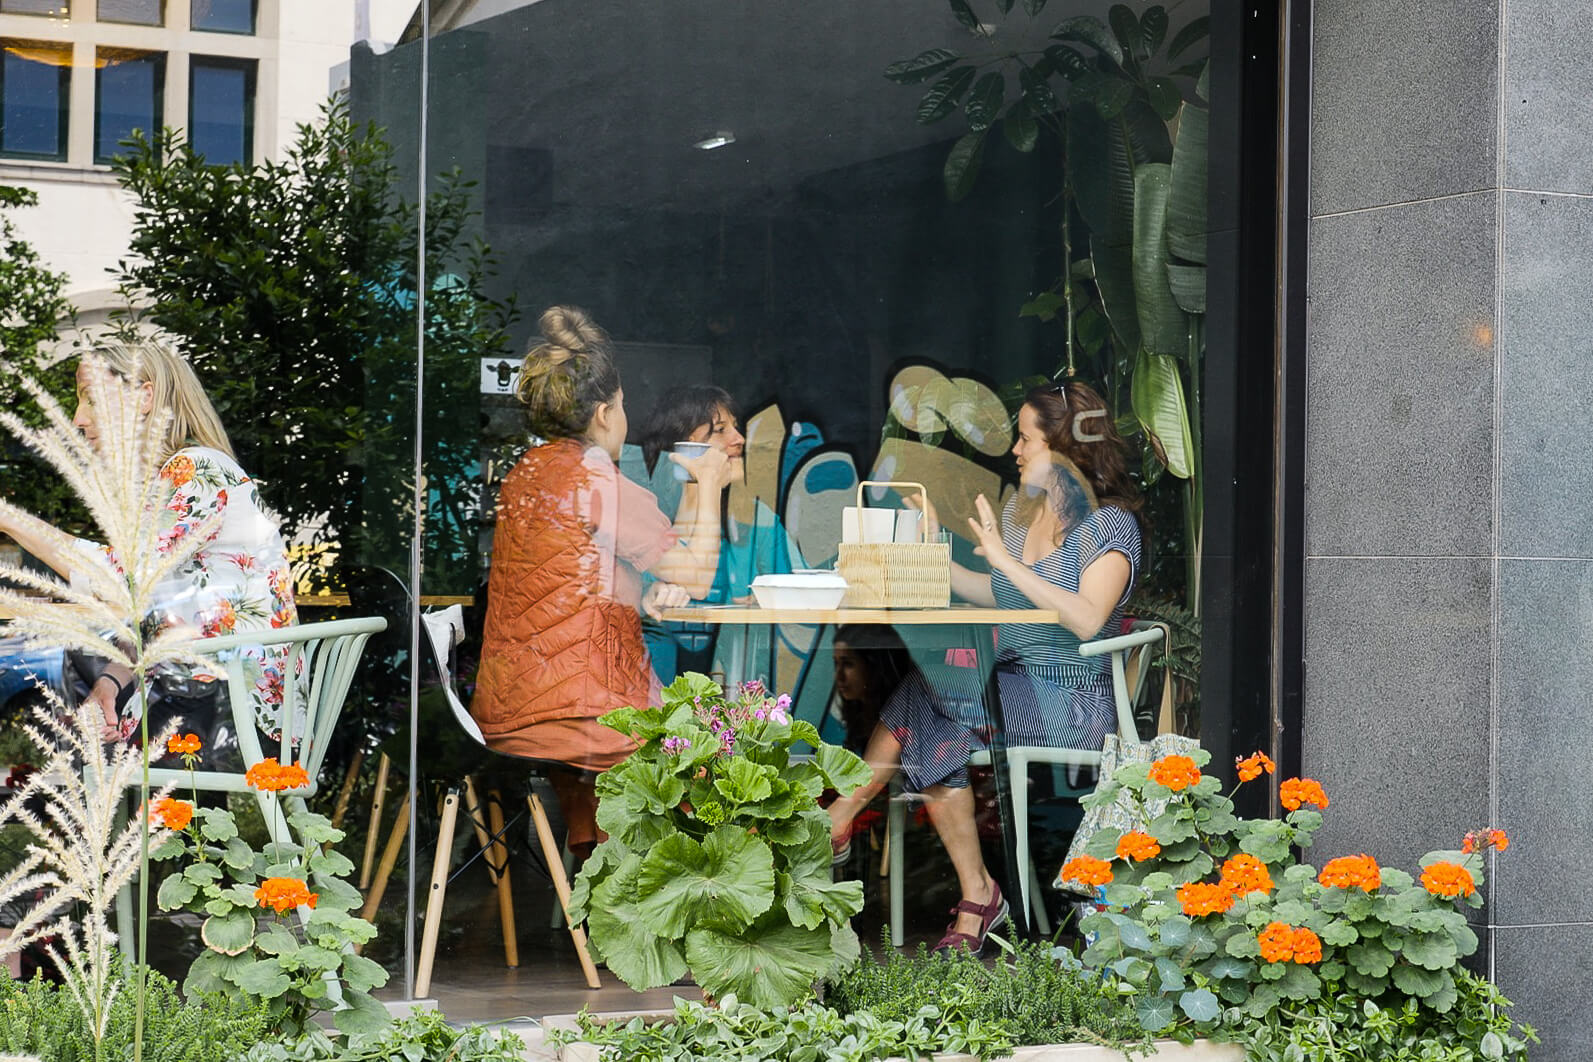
(65, 11)
(63, 107)
(251, 72)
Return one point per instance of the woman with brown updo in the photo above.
(1069, 540)
(563, 638)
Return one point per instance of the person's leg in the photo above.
(951, 810)
(577, 793)
(884, 757)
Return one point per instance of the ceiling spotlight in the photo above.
(718, 140)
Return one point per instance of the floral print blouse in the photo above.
(238, 580)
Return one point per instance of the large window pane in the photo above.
(129, 87)
(57, 8)
(140, 12)
(33, 99)
(224, 16)
(221, 109)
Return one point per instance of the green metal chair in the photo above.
(1130, 654)
(330, 653)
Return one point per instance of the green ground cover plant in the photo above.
(42, 1019)
(738, 1031)
(1034, 994)
(420, 1037)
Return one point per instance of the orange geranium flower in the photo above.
(1448, 880)
(1352, 872)
(183, 744)
(171, 813)
(284, 894)
(1175, 772)
(1281, 942)
(271, 777)
(1203, 898)
(1296, 791)
(1251, 766)
(1087, 870)
(1245, 874)
(1136, 846)
(1476, 839)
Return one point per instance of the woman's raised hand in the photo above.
(660, 596)
(712, 468)
(987, 533)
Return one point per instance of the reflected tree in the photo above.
(292, 285)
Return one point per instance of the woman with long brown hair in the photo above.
(1069, 540)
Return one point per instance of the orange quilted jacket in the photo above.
(563, 637)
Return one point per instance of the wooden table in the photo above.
(958, 616)
(342, 601)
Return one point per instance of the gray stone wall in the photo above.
(1449, 505)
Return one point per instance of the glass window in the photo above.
(139, 12)
(33, 99)
(128, 89)
(34, 7)
(221, 109)
(224, 16)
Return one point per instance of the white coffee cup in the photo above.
(908, 522)
(688, 449)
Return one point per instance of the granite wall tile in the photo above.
(1543, 970)
(1396, 702)
(1404, 100)
(1399, 419)
(1548, 123)
(1546, 376)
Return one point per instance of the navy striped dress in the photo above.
(1050, 695)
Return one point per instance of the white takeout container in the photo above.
(812, 589)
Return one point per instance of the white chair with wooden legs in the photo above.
(443, 630)
(1130, 655)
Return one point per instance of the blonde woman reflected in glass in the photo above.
(237, 580)
(1068, 540)
(563, 638)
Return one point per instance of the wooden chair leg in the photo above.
(378, 798)
(499, 857)
(561, 887)
(345, 793)
(395, 841)
(437, 892)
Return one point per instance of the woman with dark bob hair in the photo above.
(563, 638)
(1069, 541)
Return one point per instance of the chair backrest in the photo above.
(1120, 648)
(329, 652)
(445, 629)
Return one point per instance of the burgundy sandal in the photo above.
(990, 915)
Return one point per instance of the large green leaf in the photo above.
(1186, 201)
(807, 892)
(921, 67)
(1163, 325)
(1021, 131)
(1092, 31)
(964, 13)
(230, 934)
(727, 880)
(745, 782)
(1158, 396)
(634, 952)
(1189, 286)
(1153, 28)
(943, 95)
(962, 165)
(984, 102)
(362, 974)
(843, 769)
(770, 965)
(1125, 27)
(263, 977)
(362, 1014)
(1195, 31)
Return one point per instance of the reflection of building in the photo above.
(1397, 562)
(79, 75)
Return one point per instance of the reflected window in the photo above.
(224, 16)
(137, 12)
(56, 8)
(34, 83)
(221, 109)
(129, 88)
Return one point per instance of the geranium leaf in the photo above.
(263, 978)
(361, 974)
(745, 782)
(842, 769)
(769, 965)
(727, 880)
(230, 933)
(175, 891)
(363, 1014)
